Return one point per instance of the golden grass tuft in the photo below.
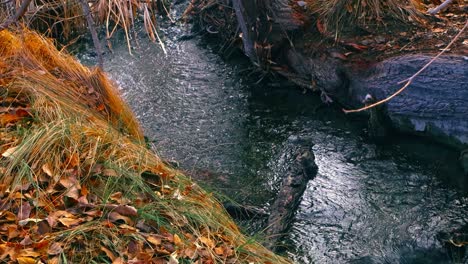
(78, 185)
(336, 14)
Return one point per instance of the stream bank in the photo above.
(281, 36)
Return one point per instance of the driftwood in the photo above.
(300, 167)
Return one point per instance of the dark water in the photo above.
(368, 204)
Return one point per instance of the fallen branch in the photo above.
(442, 6)
(409, 80)
(21, 11)
(94, 35)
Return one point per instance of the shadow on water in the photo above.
(368, 204)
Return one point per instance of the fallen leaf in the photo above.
(55, 249)
(219, 251)
(114, 217)
(207, 241)
(29, 220)
(127, 210)
(109, 173)
(118, 260)
(26, 241)
(154, 240)
(24, 211)
(177, 240)
(9, 152)
(47, 170)
(109, 253)
(26, 260)
(68, 222)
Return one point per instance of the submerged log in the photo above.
(300, 167)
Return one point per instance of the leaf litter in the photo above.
(77, 182)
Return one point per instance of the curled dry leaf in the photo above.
(47, 170)
(114, 217)
(109, 253)
(127, 210)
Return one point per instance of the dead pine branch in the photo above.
(409, 80)
(93, 31)
(21, 11)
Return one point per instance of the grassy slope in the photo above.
(78, 185)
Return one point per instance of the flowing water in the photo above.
(368, 204)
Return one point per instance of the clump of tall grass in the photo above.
(78, 181)
(66, 19)
(336, 14)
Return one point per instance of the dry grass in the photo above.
(65, 19)
(78, 185)
(336, 14)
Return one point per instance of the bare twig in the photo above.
(409, 80)
(92, 29)
(437, 9)
(21, 11)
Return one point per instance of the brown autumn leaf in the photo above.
(207, 241)
(73, 192)
(54, 216)
(43, 227)
(68, 222)
(115, 216)
(8, 118)
(7, 215)
(55, 248)
(24, 211)
(12, 231)
(155, 240)
(126, 210)
(109, 253)
(26, 241)
(177, 240)
(29, 220)
(26, 260)
(109, 173)
(118, 197)
(190, 252)
(118, 260)
(219, 251)
(46, 168)
(69, 181)
(73, 160)
(54, 260)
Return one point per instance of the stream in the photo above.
(368, 203)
